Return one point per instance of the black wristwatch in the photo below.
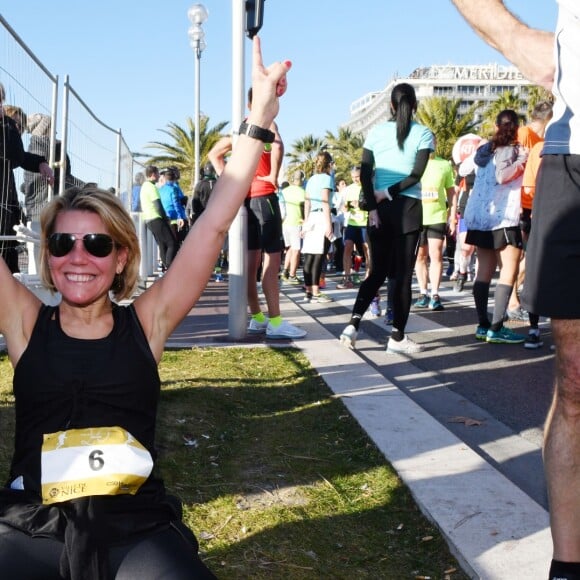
(256, 132)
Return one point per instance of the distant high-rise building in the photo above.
(470, 83)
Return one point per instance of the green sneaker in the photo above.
(422, 301)
(481, 333)
(504, 336)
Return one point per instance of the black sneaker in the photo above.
(533, 341)
(460, 282)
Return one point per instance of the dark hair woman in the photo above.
(492, 218)
(396, 153)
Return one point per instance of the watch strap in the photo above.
(264, 135)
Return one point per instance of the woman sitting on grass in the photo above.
(83, 499)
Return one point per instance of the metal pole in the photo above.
(238, 270)
(64, 133)
(196, 120)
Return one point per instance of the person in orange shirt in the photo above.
(528, 190)
(528, 136)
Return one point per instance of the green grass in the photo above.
(277, 479)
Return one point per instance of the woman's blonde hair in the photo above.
(117, 222)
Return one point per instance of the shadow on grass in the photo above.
(279, 480)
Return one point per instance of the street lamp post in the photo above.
(197, 15)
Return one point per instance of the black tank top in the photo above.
(68, 383)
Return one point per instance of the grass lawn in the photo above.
(277, 479)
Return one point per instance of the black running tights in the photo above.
(163, 554)
(394, 257)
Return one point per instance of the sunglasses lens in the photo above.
(98, 245)
(60, 244)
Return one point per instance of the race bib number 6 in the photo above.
(94, 461)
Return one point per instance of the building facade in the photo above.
(470, 83)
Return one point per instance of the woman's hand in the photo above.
(268, 84)
(374, 219)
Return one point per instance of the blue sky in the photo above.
(131, 62)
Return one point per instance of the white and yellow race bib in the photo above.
(94, 461)
(429, 195)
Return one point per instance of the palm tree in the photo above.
(303, 154)
(346, 149)
(443, 117)
(181, 150)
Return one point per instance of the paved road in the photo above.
(505, 389)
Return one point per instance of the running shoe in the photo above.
(481, 333)
(294, 280)
(256, 327)
(422, 301)
(504, 336)
(460, 282)
(356, 279)
(346, 284)
(307, 297)
(376, 307)
(435, 303)
(321, 298)
(284, 330)
(533, 341)
(389, 316)
(322, 283)
(405, 346)
(348, 336)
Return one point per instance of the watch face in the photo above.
(267, 147)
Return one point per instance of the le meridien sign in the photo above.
(492, 72)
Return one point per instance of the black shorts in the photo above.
(495, 239)
(264, 224)
(403, 215)
(553, 250)
(432, 232)
(356, 234)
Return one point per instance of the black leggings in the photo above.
(312, 269)
(393, 257)
(165, 239)
(164, 554)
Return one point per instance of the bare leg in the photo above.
(294, 262)
(562, 444)
(421, 268)
(347, 258)
(254, 260)
(435, 263)
(270, 285)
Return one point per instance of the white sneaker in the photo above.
(348, 336)
(405, 346)
(285, 330)
(256, 327)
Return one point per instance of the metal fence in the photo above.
(89, 150)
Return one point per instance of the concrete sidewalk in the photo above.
(494, 529)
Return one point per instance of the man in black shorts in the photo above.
(265, 239)
(553, 252)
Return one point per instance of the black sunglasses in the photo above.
(98, 245)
